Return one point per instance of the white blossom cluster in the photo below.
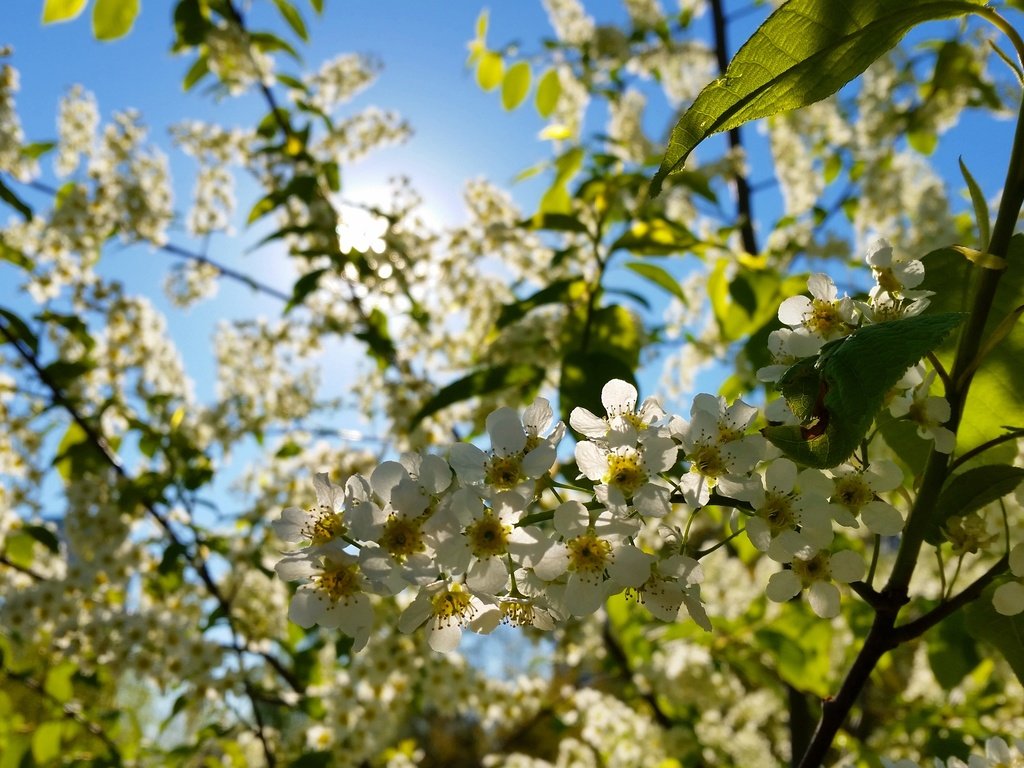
(215, 149)
(12, 160)
(340, 79)
(570, 21)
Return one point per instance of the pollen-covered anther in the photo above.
(589, 555)
(402, 537)
(825, 318)
(503, 472)
(340, 582)
(488, 537)
(815, 569)
(709, 462)
(625, 472)
(886, 280)
(326, 526)
(453, 605)
(852, 492)
(517, 613)
(778, 512)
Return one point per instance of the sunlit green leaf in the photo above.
(805, 51)
(659, 276)
(837, 394)
(58, 681)
(549, 88)
(112, 19)
(980, 206)
(46, 741)
(62, 10)
(293, 18)
(515, 85)
(489, 70)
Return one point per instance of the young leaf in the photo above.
(490, 70)
(837, 394)
(548, 90)
(112, 19)
(659, 276)
(805, 51)
(61, 10)
(515, 85)
(980, 206)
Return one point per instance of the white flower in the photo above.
(446, 608)
(628, 474)
(818, 319)
(1008, 599)
(519, 454)
(319, 525)
(334, 594)
(928, 412)
(854, 493)
(893, 274)
(816, 575)
(623, 425)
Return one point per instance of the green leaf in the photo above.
(17, 328)
(805, 51)
(46, 741)
(58, 681)
(952, 653)
(190, 22)
(515, 85)
(62, 10)
(556, 222)
(548, 91)
(996, 394)
(489, 70)
(304, 286)
(37, 149)
(14, 201)
(584, 375)
(1006, 633)
(799, 644)
(293, 18)
(837, 394)
(112, 19)
(44, 536)
(481, 382)
(318, 5)
(200, 68)
(659, 276)
(76, 453)
(656, 237)
(559, 292)
(970, 491)
(376, 336)
(980, 206)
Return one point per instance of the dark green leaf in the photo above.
(304, 286)
(200, 68)
(556, 222)
(584, 374)
(376, 336)
(481, 382)
(14, 201)
(970, 491)
(15, 327)
(1006, 633)
(805, 51)
(190, 23)
(952, 653)
(837, 394)
(559, 292)
(44, 536)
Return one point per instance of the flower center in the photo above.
(886, 280)
(709, 462)
(824, 318)
(488, 537)
(815, 569)
(327, 526)
(625, 472)
(589, 555)
(452, 605)
(852, 492)
(518, 613)
(340, 582)
(503, 472)
(778, 511)
(401, 537)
